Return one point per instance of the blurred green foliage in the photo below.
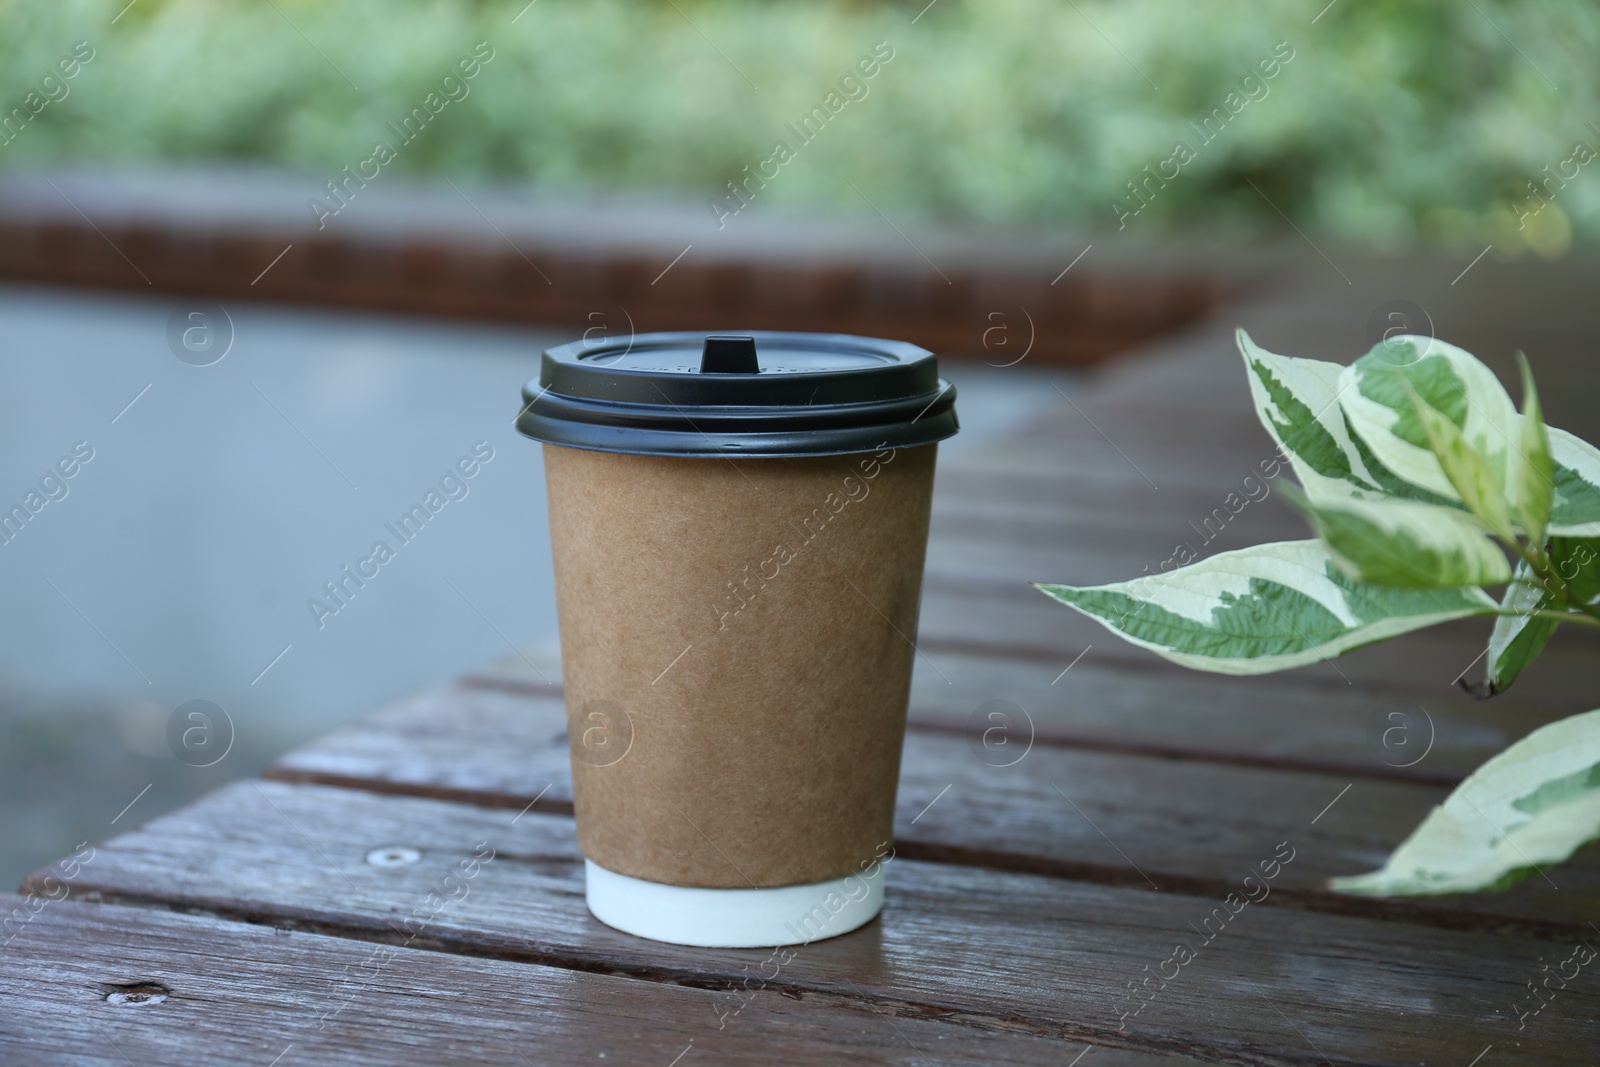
(1394, 122)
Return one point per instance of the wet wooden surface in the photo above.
(995, 949)
(109, 986)
(1042, 880)
(1019, 802)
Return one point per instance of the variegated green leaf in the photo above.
(1577, 563)
(1302, 403)
(1297, 401)
(1392, 484)
(1517, 639)
(1576, 512)
(1378, 391)
(1535, 471)
(1531, 806)
(1263, 609)
(1480, 487)
(1408, 545)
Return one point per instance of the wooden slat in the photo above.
(1201, 368)
(1107, 701)
(237, 995)
(996, 550)
(1015, 621)
(983, 549)
(1094, 437)
(1121, 541)
(1270, 718)
(1085, 517)
(1000, 950)
(1198, 380)
(1106, 817)
(997, 528)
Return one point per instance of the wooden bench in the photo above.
(1034, 904)
(599, 264)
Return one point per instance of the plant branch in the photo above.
(1538, 561)
(1558, 616)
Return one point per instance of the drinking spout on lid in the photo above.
(729, 355)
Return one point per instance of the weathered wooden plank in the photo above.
(995, 801)
(997, 550)
(1548, 319)
(1156, 458)
(1199, 377)
(1072, 509)
(1014, 621)
(1114, 539)
(105, 986)
(1105, 701)
(1082, 516)
(997, 949)
(1337, 727)
(1171, 431)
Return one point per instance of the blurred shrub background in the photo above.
(1396, 122)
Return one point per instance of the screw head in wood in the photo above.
(138, 994)
(393, 856)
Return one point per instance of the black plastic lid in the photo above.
(760, 394)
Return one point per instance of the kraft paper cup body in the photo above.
(736, 639)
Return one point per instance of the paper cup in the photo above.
(736, 636)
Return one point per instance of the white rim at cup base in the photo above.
(734, 918)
